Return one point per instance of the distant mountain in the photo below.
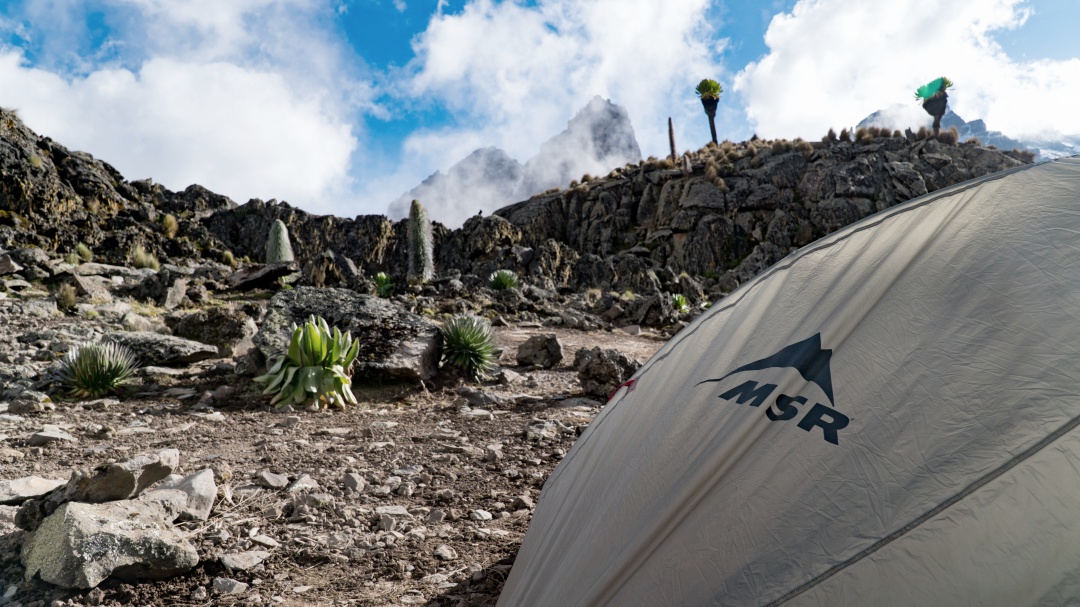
(901, 116)
(596, 140)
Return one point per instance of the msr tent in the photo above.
(888, 416)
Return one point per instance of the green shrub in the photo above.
(84, 252)
(421, 244)
(92, 370)
(469, 343)
(65, 297)
(315, 367)
(384, 285)
(503, 279)
(228, 259)
(73, 258)
(141, 259)
(278, 247)
(679, 302)
(169, 226)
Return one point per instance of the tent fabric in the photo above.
(888, 416)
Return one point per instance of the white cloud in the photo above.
(400, 5)
(250, 98)
(239, 132)
(513, 75)
(832, 62)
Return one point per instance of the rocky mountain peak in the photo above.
(597, 139)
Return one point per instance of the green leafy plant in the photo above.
(384, 285)
(278, 247)
(92, 370)
(679, 302)
(65, 297)
(314, 369)
(709, 89)
(469, 343)
(169, 225)
(421, 244)
(503, 279)
(141, 259)
(84, 252)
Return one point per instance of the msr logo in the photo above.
(812, 363)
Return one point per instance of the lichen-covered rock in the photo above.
(601, 371)
(542, 350)
(229, 329)
(394, 343)
(162, 350)
(79, 545)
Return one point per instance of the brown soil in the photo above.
(333, 553)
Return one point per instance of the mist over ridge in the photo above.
(597, 139)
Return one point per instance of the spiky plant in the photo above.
(84, 252)
(278, 247)
(935, 99)
(65, 297)
(141, 259)
(92, 370)
(503, 279)
(469, 344)
(228, 259)
(315, 367)
(169, 225)
(679, 302)
(384, 285)
(421, 244)
(709, 92)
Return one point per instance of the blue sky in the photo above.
(340, 106)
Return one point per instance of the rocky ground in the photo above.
(419, 495)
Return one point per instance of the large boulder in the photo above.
(162, 350)
(542, 350)
(229, 329)
(80, 545)
(394, 343)
(601, 371)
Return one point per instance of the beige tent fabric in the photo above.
(887, 413)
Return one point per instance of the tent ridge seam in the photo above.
(972, 488)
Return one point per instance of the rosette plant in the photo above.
(469, 344)
(92, 370)
(935, 99)
(315, 369)
(709, 92)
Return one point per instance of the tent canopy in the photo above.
(887, 416)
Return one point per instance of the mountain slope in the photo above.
(597, 139)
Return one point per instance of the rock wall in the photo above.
(725, 214)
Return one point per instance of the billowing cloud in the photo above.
(249, 98)
(833, 62)
(513, 75)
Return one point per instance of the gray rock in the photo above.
(226, 585)
(480, 515)
(8, 265)
(111, 482)
(394, 343)
(19, 490)
(445, 553)
(270, 480)
(94, 287)
(242, 561)
(304, 483)
(30, 401)
(199, 490)
(46, 437)
(523, 502)
(229, 329)
(601, 371)
(79, 545)
(542, 350)
(354, 482)
(261, 276)
(164, 350)
(541, 429)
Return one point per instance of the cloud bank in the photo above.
(245, 97)
(833, 62)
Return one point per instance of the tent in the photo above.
(887, 416)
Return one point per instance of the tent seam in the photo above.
(978, 484)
